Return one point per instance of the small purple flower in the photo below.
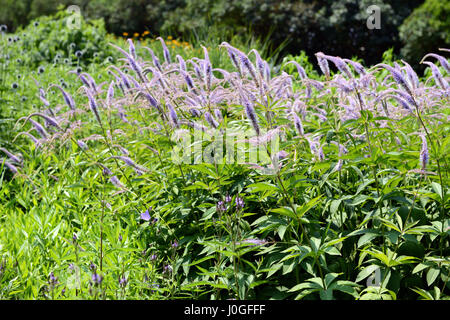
(338, 166)
(251, 114)
(281, 155)
(40, 129)
(67, 97)
(167, 268)
(220, 207)
(123, 281)
(131, 48)
(93, 105)
(209, 118)
(298, 124)
(239, 203)
(175, 244)
(424, 154)
(52, 279)
(228, 199)
(153, 257)
(82, 145)
(439, 79)
(173, 116)
(96, 278)
(154, 287)
(146, 215)
(74, 238)
(120, 238)
(11, 167)
(189, 81)
(110, 94)
(323, 64)
(115, 181)
(195, 112)
(254, 242)
(92, 266)
(166, 52)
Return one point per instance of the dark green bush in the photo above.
(334, 27)
(426, 30)
(331, 26)
(52, 39)
(16, 13)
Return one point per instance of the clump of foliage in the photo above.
(352, 203)
(425, 30)
(62, 38)
(335, 27)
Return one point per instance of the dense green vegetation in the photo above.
(351, 204)
(336, 27)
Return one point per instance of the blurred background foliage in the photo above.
(336, 27)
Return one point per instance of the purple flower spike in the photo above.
(220, 207)
(52, 279)
(239, 203)
(123, 282)
(167, 268)
(254, 242)
(146, 215)
(424, 155)
(96, 278)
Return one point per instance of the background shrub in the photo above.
(334, 27)
(49, 38)
(426, 30)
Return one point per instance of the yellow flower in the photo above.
(146, 32)
(170, 37)
(135, 35)
(125, 34)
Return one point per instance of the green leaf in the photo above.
(326, 294)
(306, 207)
(301, 286)
(201, 260)
(334, 206)
(425, 294)
(420, 267)
(330, 277)
(438, 189)
(285, 211)
(261, 186)
(364, 273)
(432, 275)
(367, 238)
